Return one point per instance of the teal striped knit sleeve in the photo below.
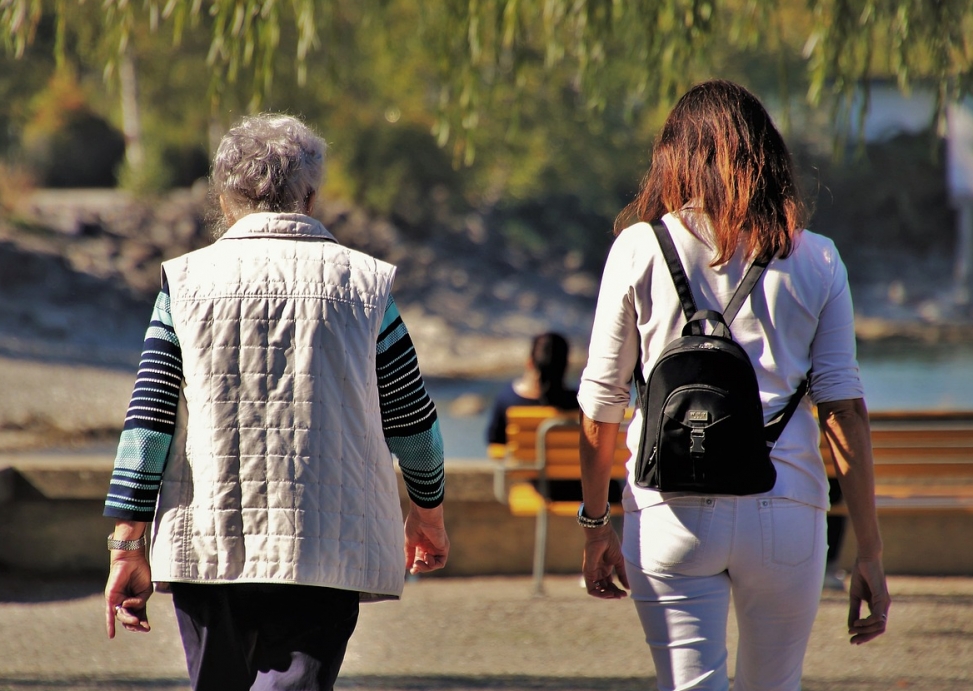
(150, 423)
(409, 420)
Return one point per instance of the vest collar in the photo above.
(275, 225)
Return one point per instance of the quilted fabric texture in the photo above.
(279, 471)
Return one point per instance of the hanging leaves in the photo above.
(648, 49)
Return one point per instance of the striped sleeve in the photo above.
(150, 423)
(409, 420)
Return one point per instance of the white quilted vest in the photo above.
(279, 472)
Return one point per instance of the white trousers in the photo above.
(685, 558)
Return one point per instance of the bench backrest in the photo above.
(913, 445)
(533, 431)
(910, 446)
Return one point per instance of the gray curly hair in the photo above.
(268, 162)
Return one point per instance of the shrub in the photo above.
(16, 184)
(65, 143)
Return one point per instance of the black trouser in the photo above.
(836, 524)
(268, 637)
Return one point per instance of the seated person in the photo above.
(541, 384)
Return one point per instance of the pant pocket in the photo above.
(789, 531)
(669, 535)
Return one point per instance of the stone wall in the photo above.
(50, 521)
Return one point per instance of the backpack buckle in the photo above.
(697, 436)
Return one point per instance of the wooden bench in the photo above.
(542, 445)
(923, 462)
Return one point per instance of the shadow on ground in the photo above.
(508, 682)
(91, 684)
(356, 683)
(545, 683)
(447, 683)
(27, 588)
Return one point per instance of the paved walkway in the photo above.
(480, 633)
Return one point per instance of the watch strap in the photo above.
(126, 545)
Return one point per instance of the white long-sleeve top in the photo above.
(799, 318)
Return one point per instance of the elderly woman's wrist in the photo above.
(430, 515)
(128, 530)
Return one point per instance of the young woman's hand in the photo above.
(868, 586)
(602, 561)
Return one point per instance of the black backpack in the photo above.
(702, 420)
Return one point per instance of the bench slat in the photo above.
(619, 472)
(944, 437)
(562, 456)
(524, 500)
(888, 503)
(910, 450)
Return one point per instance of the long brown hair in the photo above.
(720, 153)
(549, 356)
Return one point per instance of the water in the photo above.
(918, 377)
(896, 377)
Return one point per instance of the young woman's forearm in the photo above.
(845, 427)
(597, 453)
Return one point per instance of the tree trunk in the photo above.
(131, 120)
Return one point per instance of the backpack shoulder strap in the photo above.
(685, 291)
(774, 428)
(676, 270)
(750, 279)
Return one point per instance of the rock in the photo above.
(467, 405)
(580, 283)
(470, 301)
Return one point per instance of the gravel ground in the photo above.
(481, 633)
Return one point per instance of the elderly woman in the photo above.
(721, 182)
(277, 380)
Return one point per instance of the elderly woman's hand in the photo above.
(127, 592)
(426, 542)
(603, 559)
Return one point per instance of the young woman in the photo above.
(721, 181)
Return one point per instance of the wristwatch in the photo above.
(586, 522)
(126, 545)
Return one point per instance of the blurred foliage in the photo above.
(373, 91)
(893, 196)
(398, 171)
(64, 142)
(539, 114)
(643, 53)
(653, 48)
(16, 184)
(152, 176)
